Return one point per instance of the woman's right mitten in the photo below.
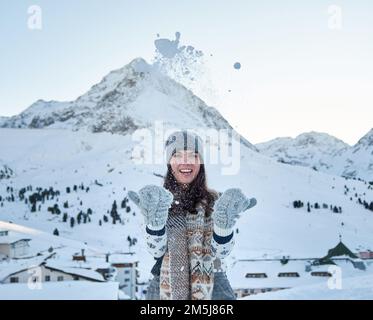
(154, 202)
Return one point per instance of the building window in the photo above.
(14, 280)
(256, 275)
(321, 274)
(47, 278)
(126, 271)
(126, 280)
(76, 278)
(60, 278)
(289, 274)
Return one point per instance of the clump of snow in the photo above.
(168, 48)
(183, 63)
(237, 66)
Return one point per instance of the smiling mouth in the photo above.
(186, 172)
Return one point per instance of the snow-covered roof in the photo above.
(9, 267)
(13, 237)
(123, 258)
(238, 279)
(83, 272)
(356, 288)
(15, 266)
(272, 268)
(63, 290)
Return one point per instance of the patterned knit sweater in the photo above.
(222, 243)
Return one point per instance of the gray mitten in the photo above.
(228, 207)
(154, 202)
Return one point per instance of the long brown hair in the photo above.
(194, 194)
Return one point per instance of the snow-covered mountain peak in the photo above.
(132, 97)
(318, 139)
(366, 140)
(309, 144)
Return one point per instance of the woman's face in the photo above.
(185, 166)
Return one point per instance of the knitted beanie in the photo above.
(183, 140)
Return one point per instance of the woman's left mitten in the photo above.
(228, 207)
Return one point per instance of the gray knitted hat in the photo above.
(183, 140)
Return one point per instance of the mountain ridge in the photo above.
(324, 152)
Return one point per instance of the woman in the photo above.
(189, 228)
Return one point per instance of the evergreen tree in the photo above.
(123, 204)
(64, 218)
(114, 213)
(79, 217)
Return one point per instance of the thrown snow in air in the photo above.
(237, 66)
(183, 63)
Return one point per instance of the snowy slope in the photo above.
(323, 152)
(61, 158)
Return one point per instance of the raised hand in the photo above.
(228, 207)
(154, 202)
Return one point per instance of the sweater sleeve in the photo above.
(222, 242)
(156, 241)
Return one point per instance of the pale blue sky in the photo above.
(297, 74)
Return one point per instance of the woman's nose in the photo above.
(190, 159)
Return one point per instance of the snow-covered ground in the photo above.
(61, 158)
(353, 288)
(66, 290)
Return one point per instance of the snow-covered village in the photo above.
(69, 229)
